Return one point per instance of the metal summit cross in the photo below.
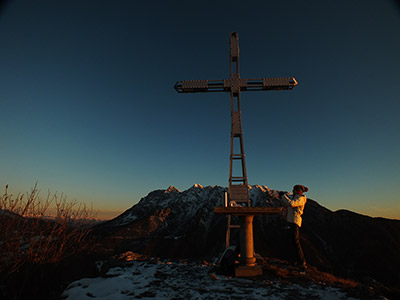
(238, 186)
(237, 192)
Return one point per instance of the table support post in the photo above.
(248, 267)
(246, 240)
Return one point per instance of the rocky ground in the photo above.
(135, 276)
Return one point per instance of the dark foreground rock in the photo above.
(47, 281)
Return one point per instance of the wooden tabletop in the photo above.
(244, 211)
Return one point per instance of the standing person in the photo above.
(295, 206)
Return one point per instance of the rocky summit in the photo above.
(182, 224)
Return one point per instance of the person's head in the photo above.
(299, 189)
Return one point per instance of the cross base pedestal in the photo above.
(248, 271)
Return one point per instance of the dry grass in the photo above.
(27, 235)
(285, 270)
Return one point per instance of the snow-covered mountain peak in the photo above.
(197, 186)
(171, 188)
(262, 188)
(196, 202)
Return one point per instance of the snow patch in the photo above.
(188, 280)
(127, 219)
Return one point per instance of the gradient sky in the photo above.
(88, 107)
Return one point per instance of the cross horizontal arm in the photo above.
(198, 86)
(260, 84)
(235, 83)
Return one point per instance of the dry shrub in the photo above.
(27, 235)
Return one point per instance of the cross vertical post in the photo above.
(237, 192)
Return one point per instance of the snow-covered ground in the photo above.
(165, 279)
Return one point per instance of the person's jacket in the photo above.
(295, 207)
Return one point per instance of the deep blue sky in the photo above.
(88, 107)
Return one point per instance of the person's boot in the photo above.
(303, 266)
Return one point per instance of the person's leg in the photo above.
(297, 245)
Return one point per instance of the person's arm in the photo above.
(284, 199)
(297, 201)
